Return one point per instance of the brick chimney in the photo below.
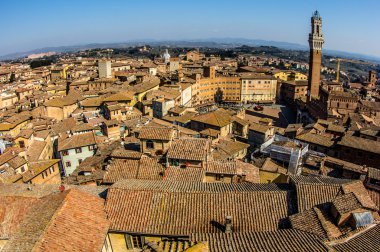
(228, 224)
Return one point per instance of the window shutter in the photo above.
(142, 241)
(128, 241)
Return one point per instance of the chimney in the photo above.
(228, 224)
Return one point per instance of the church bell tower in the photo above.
(316, 41)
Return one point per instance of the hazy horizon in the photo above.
(348, 26)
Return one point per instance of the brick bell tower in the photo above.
(316, 41)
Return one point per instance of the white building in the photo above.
(74, 149)
(104, 68)
(186, 94)
(258, 88)
(166, 56)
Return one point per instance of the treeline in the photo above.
(45, 61)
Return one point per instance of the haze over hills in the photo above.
(210, 42)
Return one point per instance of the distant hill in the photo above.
(211, 42)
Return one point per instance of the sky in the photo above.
(348, 25)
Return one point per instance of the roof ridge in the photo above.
(56, 213)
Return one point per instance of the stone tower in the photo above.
(372, 78)
(316, 41)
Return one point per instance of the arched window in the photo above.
(149, 144)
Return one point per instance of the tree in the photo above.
(12, 78)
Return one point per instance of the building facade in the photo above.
(258, 88)
(105, 70)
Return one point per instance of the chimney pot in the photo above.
(228, 224)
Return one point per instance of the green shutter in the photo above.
(128, 241)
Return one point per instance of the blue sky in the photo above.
(348, 25)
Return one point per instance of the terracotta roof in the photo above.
(360, 192)
(144, 168)
(195, 149)
(145, 86)
(167, 212)
(344, 164)
(361, 144)
(70, 99)
(346, 203)
(9, 175)
(123, 153)
(13, 209)
(92, 102)
(41, 134)
(316, 139)
(156, 133)
(240, 120)
(251, 172)
(267, 241)
(149, 168)
(35, 168)
(43, 228)
(25, 133)
(336, 128)
(35, 149)
(375, 197)
(63, 126)
(120, 96)
(365, 241)
(16, 162)
(312, 191)
(188, 174)
(221, 167)
(319, 221)
(210, 132)
(231, 147)
(75, 141)
(121, 169)
(5, 157)
(373, 173)
(259, 127)
(272, 166)
(196, 186)
(219, 118)
(82, 127)
(310, 221)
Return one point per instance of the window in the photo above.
(91, 147)
(219, 177)
(65, 153)
(22, 144)
(44, 174)
(68, 164)
(136, 241)
(149, 144)
(78, 150)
